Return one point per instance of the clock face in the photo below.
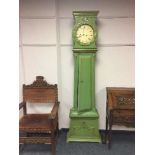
(85, 34)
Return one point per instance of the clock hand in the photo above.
(83, 30)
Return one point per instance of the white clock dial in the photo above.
(85, 34)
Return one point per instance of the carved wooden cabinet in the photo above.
(120, 109)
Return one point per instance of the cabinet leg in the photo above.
(106, 131)
(110, 134)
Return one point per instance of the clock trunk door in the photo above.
(85, 83)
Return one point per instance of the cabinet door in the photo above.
(85, 82)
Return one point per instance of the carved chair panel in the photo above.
(40, 92)
(39, 95)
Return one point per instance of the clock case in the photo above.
(84, 116)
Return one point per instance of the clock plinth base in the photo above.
(78, 138)
(84, 129)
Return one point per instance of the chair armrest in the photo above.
(21, 105)
(54, 111)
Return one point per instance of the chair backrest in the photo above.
(40, 92)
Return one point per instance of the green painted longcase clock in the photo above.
(84, 116)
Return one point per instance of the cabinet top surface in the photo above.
(120, 88)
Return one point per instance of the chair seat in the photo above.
(35, 122)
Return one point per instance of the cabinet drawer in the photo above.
(124, 117)
(123, 112)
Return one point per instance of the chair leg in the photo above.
(21, 147)
(58, 130)
(53, 143)
(53, 146)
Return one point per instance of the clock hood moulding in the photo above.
(85, 13)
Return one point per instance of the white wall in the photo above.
(46, 47)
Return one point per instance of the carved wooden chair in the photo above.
(39, 128)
